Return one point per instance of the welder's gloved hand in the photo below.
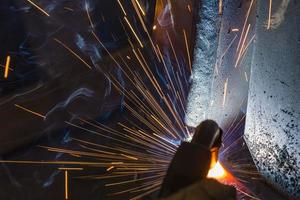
(206, 189)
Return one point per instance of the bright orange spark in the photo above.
(220, 6)
(145, 28)
(110, 168)
(140, 7)
(187, 49)
(244, 26)
(7, 66)
(134, 33)
(71, 51)
(242, 46)
(39, 8)
(122, 8)
(270, 14)
(70, 168)
(30, 111)
(66, 185)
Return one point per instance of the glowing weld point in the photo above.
(189, 138)
(217, 171)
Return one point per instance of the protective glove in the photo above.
(206, 189)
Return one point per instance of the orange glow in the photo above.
(217, 171)
(7, 67)
(66, 185)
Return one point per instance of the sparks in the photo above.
(140, 7)
(244, 26)
(220, 7)
(7, 66)
(134, 33)
(30, 111)
(246, 76)
(122, 8)
(225, 92)
(270, 15)
(70, 168)
(189, 8)
(72, 52)
(242, 46)
(39, 8)
(138, 150)
(187, 50)
(66, 185)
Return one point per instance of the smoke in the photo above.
(165, 18)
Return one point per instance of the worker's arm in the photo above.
(186, 175)
(206, 189)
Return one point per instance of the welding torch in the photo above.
(193, 159)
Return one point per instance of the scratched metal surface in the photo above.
(205, 53)
(224, 97)
(272, 126)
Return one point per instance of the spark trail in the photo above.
(139, 150)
